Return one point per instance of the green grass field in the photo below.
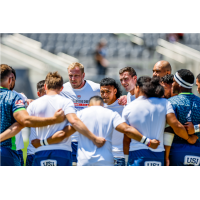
(25, 151)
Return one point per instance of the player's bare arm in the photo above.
(26, 120)
(191, 128)
(167, 151)
(179, 129)
(133, 133)
(122, 100)
(11, 131)
(69, 130)
(58, 137)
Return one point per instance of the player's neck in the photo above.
(132, 92)
(52, 92)
(3, 85)
(113, 101)
(184, 90)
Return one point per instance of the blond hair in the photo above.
(76, 64)
(54, 80)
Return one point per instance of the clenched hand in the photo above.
(59, 116)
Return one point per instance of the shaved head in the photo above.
(162, 68)
(96, 101)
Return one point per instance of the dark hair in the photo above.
(131, 71)
(150, 86)
(54, 80)
(186, 75)
(5, 71)
(198, 77)
(111, 82)
(96, 98)
(40, 85)
(13, 71)
(167, 79)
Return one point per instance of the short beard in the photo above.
(77, 86)
(11, 88)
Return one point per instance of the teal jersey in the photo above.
(9, 103)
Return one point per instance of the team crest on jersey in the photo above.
(192, 160)
(78, 96)
(48, 163)
(19, 102)
(152, 163)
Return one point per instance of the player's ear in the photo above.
(45, 86)
(38, 93)
(115, 91)
(83, 75)
(61, 88)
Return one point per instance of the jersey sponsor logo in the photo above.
(80, 104)
(192, 160)
(19, 102)
(189, 119)
(78, 96)
(48, 163)
(152, 163)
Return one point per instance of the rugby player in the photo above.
(161, 68)
(186, 106)
(101, 121)
(19, 140)
(57, 154)
(12, 110)
(79, 91)
(30, 149)
(198, 83)
(166, 82)
(110, 92)
(128, 79)
(148, 114)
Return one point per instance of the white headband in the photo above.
(181, 82)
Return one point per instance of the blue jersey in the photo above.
(187, 109)
(9, 103)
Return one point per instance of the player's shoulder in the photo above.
(66, 85)
(197, 98)
(95, 86)
(175, 99)
(64, 99)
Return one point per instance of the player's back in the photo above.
(148, 116)
(46, 106)
(101, 122)
(187, 109)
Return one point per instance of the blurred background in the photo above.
(33, 55)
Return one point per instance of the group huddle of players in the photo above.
(89, 124)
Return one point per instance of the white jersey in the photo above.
(117, 138)
(130, 98)
(31, 148)
(46, 106)
(80, 97)
(101, 122)
(148, 116)
(19, 139)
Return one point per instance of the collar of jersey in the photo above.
(3, 87)
(142, 98)
(186, 93)
(113, 104)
